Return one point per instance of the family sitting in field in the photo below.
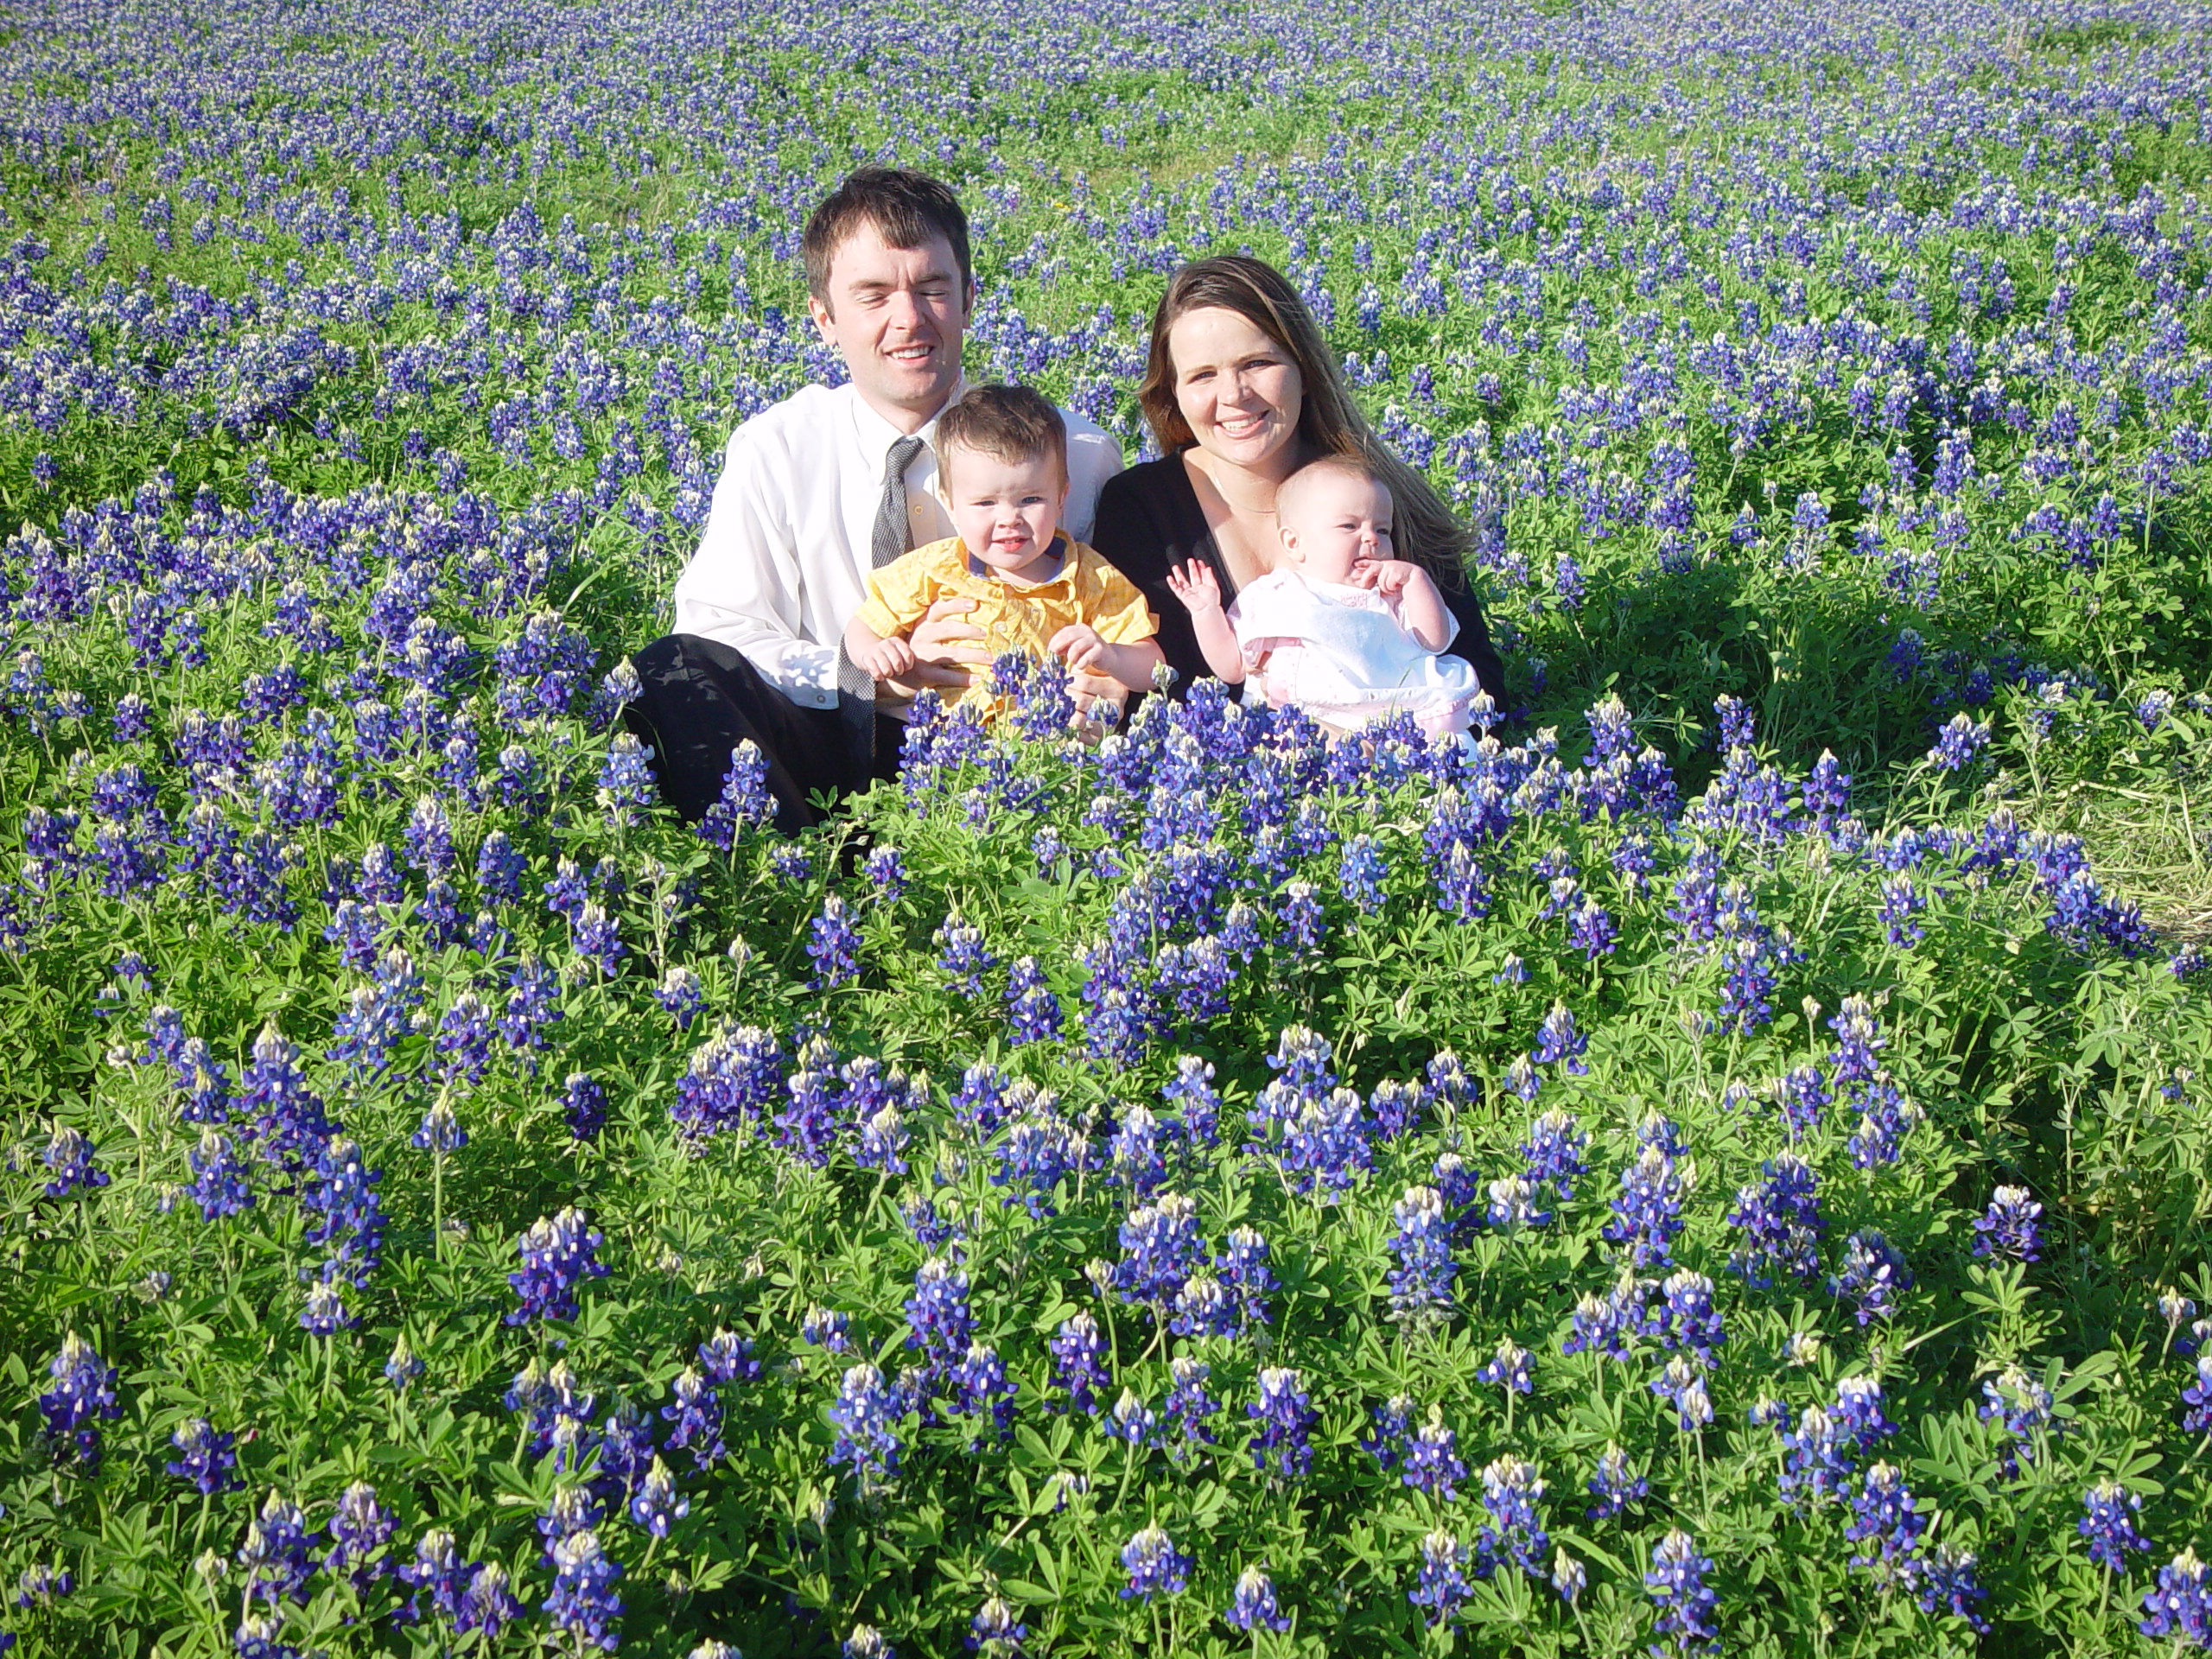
(896, 533)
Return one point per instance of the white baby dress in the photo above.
(1343, 655)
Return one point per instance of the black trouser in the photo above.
(702, 699)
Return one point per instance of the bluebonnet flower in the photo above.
(205, 1458)
(440, 1131)
(582, 1600)
(1606, 1326)
(1886, 1522)
(1135, 1152)
(597, 939)
(680, 995)
(994, 1632)
(1252, 1607)
(1553, 1153)
(488, 1604)
(274, 1555)
(72, 1157)
(1430, 1459)
(1958, 743)
(625, 779)
(1648, 1212)
(962, 956)
(1362, 873)
(1684, 1604)
(1510, 1367)
(1558, 1040)
(697, 1411)
(1858, 1410)
(938, 1320)
(573, 1509)
(1034, 1013)
(217, 1178)
(1285, 1415)
(1442, 1587)
(980, 1387)
(1190, 1405)
(2196, 1398)
(1901, 901)
(1155, 1566)
(1079, 1354)
(324, 1313)
(438, 1570)
(1885, 1118)
(1393, 1422)
(1161, 1248)
(82, 1395)
(1947, 1579)
(1858, 1038)
(1513, 1531)
(727, 1357)
(833, 945)
(584, 1103)
(2108, 1524)
(1803, 1094)
(2008, 1228)
(1594, 932)
(1871, 1276)
(2180, 1605)
(862, 1642)
(1681, 1385)
(531, 1007)
(1816, 1457)
(1421, 1281)
(1782, 1222)
(1615, 1485)
(558, 1254)
(1686, 1316)
(1513, 1204)
(2023, 1406)
(404, 1367)
(360, 1529)
(745, 801)
(657, 1505)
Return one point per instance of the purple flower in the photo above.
(1513, 1531)
(1558, 1040)
(2008, 1227)
(1885, 1522)
(1422, 1279)
(558, 1254)
(1285, 1415)
(938, 1321)
(2180, 1603)
(360, 1529)
(833, 944)
(1155, 1566)
(1253, 1606)
(1079, 1354)
(1430, 1460)
(1648, 1213)
(1443, 1585)
(1615, 1485)
(996, 1632)
(1684, 1604)
(1509, 1367)
(274, 1555)
(582, 1600)
(70, 1155)
(2108, 1524)
(1871, 1275)
(82, 1395)
(205, 1458)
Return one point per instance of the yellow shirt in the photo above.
(1013, 616)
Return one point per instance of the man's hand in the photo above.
(1195, 585)
(886, 658)
(1077, 645)
(938, 641)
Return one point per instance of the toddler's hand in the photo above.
(1078, 644)
(886, 658)
(1195, 585)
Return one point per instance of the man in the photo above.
(814, 494)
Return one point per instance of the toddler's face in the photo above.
(1005, 510)
(1331, 522)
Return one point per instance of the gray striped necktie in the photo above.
(855, 688)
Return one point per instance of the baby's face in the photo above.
(1006, 512)
(1331, 522)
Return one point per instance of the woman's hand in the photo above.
(938, 641)
(1196, 586)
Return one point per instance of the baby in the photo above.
(1338, 627)
(1002, 475)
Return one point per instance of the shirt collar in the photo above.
(978, 568)
(877, 435)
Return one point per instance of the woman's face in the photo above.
(1236, 385)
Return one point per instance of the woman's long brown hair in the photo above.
(1329, 422)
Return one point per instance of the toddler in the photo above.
(1338, 627)
(1002, 475)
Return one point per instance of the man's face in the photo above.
(897, 315)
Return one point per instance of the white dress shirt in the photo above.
(784, 561)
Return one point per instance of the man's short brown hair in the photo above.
(907, 209)
(1009, 424)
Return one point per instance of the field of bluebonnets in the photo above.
(1724, 1163)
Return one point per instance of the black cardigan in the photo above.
(1149, 522)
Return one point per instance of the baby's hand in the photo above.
(1195, 585)
(1078, 644)
(1386, 576)
(886, 658)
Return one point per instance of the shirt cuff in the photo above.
(807, 675)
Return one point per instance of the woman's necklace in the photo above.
(1240, 508)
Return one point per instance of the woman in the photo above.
(1240, 390)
